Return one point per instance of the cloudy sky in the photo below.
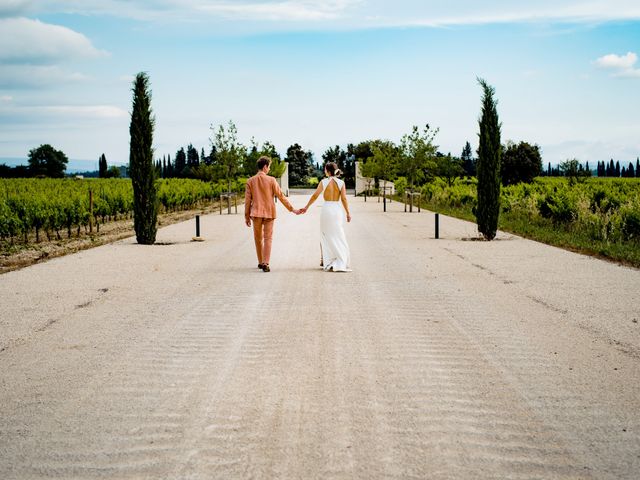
(320, 73)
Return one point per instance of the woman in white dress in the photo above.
(333, 242)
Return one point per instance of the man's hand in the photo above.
(247, 221)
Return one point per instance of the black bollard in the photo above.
(437, 225)
(384, 202)
(197, 225)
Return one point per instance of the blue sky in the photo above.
(320, 73)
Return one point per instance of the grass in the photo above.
(545, 231)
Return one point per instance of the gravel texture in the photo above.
(438, 359)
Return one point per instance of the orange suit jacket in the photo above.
(258, 197)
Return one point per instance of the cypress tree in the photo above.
(102, 166)
(617, 170)
(488, 166)
(141, 166)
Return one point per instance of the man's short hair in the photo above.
(263, 162)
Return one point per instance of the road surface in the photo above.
(433, 359)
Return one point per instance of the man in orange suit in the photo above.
(260, 208)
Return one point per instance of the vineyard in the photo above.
(599, 216)
(57, 207)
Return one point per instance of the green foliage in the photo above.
(418, 154)
(489, 156)
(468, 162)
(46, 161)
(230, 153)
(401, 185)
(54, 205)
(102, 167)
(520, 163)
(300, 166)
(574, 171)
(598, 215)
(141, 166)
(448, 168)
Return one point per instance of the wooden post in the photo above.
(90, 211)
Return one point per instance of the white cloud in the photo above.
(30, 76)
(6, 98)
(75, 112)
(14, 8)
(615, 61)
(622, 65)
(24, 40)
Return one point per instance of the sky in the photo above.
(320, 73)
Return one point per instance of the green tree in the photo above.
(573, 170)
(112, 172)
(300, 166)
(383, 165)
(468, 162)
(277, 164)
(102, 166)
(47, 161)
(193, 159)
(141, 167)
(180, 165)
(520, 163)
(418, 154)
(449, 168)
(229, 152)
(489, 156)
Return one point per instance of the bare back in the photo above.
(331, 192)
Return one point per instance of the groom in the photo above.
(260, 207)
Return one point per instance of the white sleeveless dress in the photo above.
(335, 249)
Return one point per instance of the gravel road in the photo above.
(433, 359)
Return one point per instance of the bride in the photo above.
(333, 242)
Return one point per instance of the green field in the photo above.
(53, 208)
(596, 216)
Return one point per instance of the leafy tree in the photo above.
(300, 165)
(449, 168)
(637, 167)
(142, 171)
(468, 162)
(229, 152)
(418, 154)
(102, 166)
(47, 161)
(520, 163)
(193, 159)
(180, 163)
(573, 170)
(112, 172)
(489, 157)
(383, 165)
(277, 164)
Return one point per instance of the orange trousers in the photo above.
(263, 236)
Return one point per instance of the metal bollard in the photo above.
(197, 238)
(437, 225)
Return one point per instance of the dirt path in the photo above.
(433, 359)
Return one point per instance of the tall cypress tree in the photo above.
(141, 166)
(488, 166)
(102, 166)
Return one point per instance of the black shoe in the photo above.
(265, 267)
(261, 265)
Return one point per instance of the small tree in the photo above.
(102, 166)
(47, 161)
(489, 156)
(449, 168)
(418, 154)
(520, 163)
(468, 162)
(141, 167)
(384, 163)
(229, 152)
(300, 166)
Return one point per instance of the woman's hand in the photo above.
(348, 218)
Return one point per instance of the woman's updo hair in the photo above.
(332, 169)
